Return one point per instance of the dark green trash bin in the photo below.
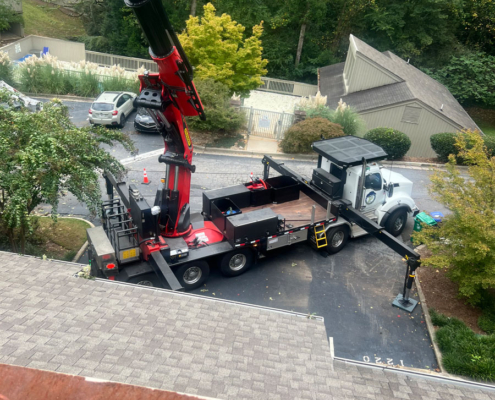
(422, 219)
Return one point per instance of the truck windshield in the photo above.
(373, 181)
(102, 106)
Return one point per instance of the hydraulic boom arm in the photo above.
(168, 97)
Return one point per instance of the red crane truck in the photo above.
(165, 244)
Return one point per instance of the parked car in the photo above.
(143, 122)
(21, 100)
(111, 108)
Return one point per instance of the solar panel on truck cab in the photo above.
(349, 150)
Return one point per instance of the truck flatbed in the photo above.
(296, 212)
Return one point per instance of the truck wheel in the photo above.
(396, 222)
(150, 280)
(193, 275)
(337, 238)
(236, 262)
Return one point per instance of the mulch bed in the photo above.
(442, 295)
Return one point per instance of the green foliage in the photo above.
(216, 47)
(6, 68)
(464, 353)
(44, 155)
(444, 144)
(348, 119)
(320, 111)
(465, 240)
(300, 136)
(8, 16)
(396, 144)
(470, 78)
(46, 76)
(486, 322)
(220, 115)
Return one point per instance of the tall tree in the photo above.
(217, 48)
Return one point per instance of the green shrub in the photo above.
(464, 352)
(396, 144)
(486, 322)
(319, 111)
(300, 136)
(444, 144)
(220, 115)
(6, 68)
(349, 120)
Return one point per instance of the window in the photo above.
(120, 102)
(411, 115)
(373, 181)
(102, 106)
(126, 97)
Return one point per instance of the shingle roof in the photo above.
(53, 321)
(415, 85)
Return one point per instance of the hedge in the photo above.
(444, 144)
(395, 143)
(300, 136)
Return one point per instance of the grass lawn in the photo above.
(46, 19)
(60, 240)
(464, 352)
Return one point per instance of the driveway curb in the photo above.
(429, 324)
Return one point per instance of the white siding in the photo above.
(365, 75)
(428, 124)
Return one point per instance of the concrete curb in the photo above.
(429, 325)
(85, 245)
(60, 96)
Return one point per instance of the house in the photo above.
(16, 30)
(52, 323)
(389, 92)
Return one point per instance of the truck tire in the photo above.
(337, 238)
(396, 223)
(192, 275)
(236, 262)
(150, 280)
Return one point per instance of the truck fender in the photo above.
(393, 209)
(340, 221)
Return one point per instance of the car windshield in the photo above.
(102, 106)
(141, 111)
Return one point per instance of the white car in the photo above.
(21, 100)
(111, 108)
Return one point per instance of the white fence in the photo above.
(288, 87)
(129, 63)
(268, 124)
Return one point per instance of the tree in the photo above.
(464, 242)
(43, 155)
(216, 47)
(8, 16)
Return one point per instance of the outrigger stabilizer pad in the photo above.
(406, 305)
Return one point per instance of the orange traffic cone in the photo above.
(146, 181)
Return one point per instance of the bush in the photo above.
(486, 322)
(464, 352)
(220, 115)
(396, 144)
(444, 144)
(349, 120)
(6, 68)
(300, 136)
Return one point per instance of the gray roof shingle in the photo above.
(53, 321)
(415, 85)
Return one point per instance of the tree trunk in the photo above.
(193, 7)
(300, 44)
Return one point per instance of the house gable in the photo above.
(361, 73)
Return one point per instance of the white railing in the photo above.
(129, 63)
(288, 87)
